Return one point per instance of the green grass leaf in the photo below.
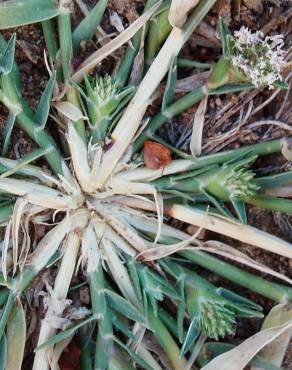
(8, 132)
(65, 334)
(27, 159)
(15, 13)
(238, 299)
(86, 28)
(16, 337)
(6, 313)
(168, 96)
(7, 57)
(14, 74)
(121, 305)
(123, 328)
(281, 84)
(133, 355)
(43, 109)
(224, 36)
(191, 336)
(3, 353)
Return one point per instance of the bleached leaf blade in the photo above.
(113, 45)
(275, 351)
(214, 246)
(198, 125)
(240, 356)
(69, 110)
(179, 10)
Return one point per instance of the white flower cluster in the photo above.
(259, 57)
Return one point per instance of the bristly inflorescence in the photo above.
(231, 180)
(241, 183)
(101, 97)
(105, 88)
(104, 99)
(260, 58)
(213, 316)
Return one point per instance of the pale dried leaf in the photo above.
(116, 21)
(69, 110)
(231, 228)
(198, 125)
(179, 10)
(162, 251)
(192, 82)
(284, 191)
(5, 247)
(137, 70)
(57, 351)
(18, 211)
(159, 208)
(113, 45)
(240, 356)
(275, 351)
(287, 148)
(225, 250)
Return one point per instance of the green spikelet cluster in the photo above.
(231, 180)
(104, 99)
(212, 314)
(241, 183)
(105, 88)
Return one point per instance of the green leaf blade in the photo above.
(65, 334)
(16, 337)
(42, 112)
(8, 132)
(88, 25)
(7, 57)
(121, 305)
(3, 353)
(15, 13)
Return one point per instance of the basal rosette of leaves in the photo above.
(106, 212)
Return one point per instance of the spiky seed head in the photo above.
(231, 180)
(105, 88)
(241, 183)
(103, 97)
(213, 315)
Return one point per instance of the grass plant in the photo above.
(106, 212)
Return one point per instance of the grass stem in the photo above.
(166, 341)
(65, 37)
(274, 291)
(50, 38)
